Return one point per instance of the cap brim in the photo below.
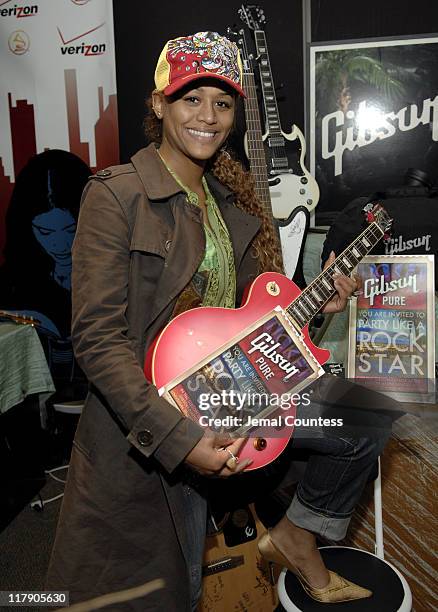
(186, 80)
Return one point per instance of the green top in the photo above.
(218, 262)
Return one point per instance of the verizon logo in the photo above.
(18, 11)
(82, 48)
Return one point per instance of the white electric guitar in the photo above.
(292, 229)
(290, 184)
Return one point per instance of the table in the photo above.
(25, 380)
(23, 366)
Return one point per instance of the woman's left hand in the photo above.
(345, 287)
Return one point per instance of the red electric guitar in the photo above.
(194, 336)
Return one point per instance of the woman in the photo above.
(155, 237)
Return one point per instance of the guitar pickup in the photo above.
(284, 171)
(280, 162)
(276, 141)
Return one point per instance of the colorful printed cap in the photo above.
(205, 54)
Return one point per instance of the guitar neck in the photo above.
(21, 319)
(322, 289)
(256, 151)
(273, 126)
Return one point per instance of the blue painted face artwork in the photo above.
(55, 230)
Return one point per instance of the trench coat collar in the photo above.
(159, 184)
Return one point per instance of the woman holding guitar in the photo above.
(176, 228)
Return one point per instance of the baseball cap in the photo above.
(202, 55)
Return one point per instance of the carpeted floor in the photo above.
(26, 543)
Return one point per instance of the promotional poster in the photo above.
(372, 115)
(253, 382)
(392, 335)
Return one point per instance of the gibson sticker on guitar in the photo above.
(255, 381)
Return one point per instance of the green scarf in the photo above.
(215, 278)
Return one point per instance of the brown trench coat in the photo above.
(138, 244)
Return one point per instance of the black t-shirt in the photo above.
(414, 211)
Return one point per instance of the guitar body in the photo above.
(237, 577)
(195, 334)
(291, 189)
(290, 183)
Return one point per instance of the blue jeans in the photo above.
(336, 473)
(339, 459)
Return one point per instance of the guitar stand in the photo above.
(391, 592)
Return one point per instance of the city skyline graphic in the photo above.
(23, 138)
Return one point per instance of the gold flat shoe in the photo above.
(338, 589)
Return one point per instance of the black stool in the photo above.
(391, 592)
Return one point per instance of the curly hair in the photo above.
(231, 173)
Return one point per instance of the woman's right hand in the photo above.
(213, 456)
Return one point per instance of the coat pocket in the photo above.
(154, 239)
(158, 245)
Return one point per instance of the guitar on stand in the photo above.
(235, 575)
(292, 193)
(253, 140)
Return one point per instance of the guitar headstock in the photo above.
(375, 213)
(253, 16)
(240, 40)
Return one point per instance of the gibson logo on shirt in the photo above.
(398, 245)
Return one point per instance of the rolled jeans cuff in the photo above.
(329, 527)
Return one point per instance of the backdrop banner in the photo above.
(58, 124)
(373, 114)
(58, 86)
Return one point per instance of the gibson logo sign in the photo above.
(378, 286)
(361, 134)
(266, 345)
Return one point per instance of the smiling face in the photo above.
(55, 230)
(196, 121)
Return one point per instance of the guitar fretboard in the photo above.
(276, 141)
(270, 101)
(313, 298)
(256, 152)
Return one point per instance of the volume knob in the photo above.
(260, 444)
